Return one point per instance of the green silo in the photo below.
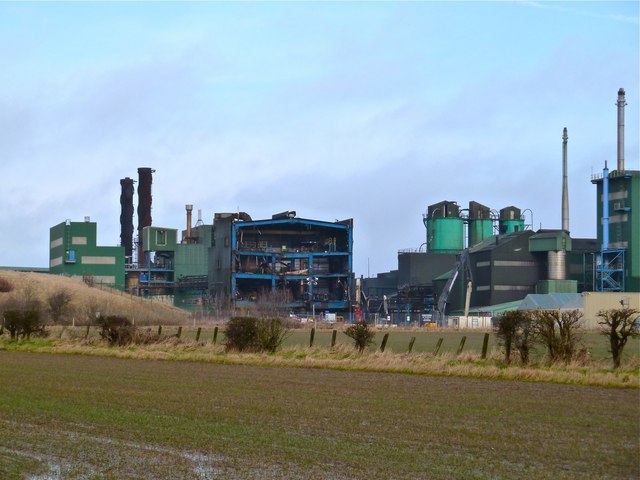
(511, 220)
(480, 223)
(445, 228)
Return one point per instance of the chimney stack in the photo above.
(565, 183)
(621, 104)
(126, 217)
(189, 210)
(144, 207)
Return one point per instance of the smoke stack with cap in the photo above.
(565, 183)
(189, 210)
(621, 104)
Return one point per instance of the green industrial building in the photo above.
(73, 251)
(621, 241)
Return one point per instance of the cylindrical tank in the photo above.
(511, 220)
(557, 264)
(479, 230)
(480, 223)
(445, 228)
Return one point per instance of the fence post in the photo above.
(198, 334)
(333, 338)
(215, 334)
(86, 334)
(413, 340)
(438, 345)
(159, 330)
(485, 345)
(313, 334)
(179, 332)
(383, 345)
(462, 340)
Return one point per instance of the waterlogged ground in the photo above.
(78, 417)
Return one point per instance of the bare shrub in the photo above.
(558, 331)
(619, 325)
(23, 324)
(250, 334)
(361, 335)
(58, 304)
(515, 330)
(5, 285)
(241, 334)
(271, 333)
(116, 330)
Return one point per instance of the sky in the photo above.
(363, 110)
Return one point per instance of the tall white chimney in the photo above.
(565, 183)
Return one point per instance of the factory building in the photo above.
(617, 262)
(73, 251)
(504, 261)
(304, 264)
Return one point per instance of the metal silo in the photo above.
(511, 220)
(480, 223)
(445, 228)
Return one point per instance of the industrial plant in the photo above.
(474, 263)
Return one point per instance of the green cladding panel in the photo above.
(158, 239)
(479, 230)
(446, 235)
(73, 251)
(511, 226)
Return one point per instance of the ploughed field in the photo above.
(75, 416)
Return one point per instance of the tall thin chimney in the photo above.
(621, 105)
(189, 210)
(565, 183)
(605, 207)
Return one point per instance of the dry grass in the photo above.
(344, 357)
(86, 301)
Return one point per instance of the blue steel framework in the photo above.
(314, 287)
(609, 271)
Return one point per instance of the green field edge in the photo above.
(347, 359)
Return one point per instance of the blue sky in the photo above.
(363, 110)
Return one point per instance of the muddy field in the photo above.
(72, 417)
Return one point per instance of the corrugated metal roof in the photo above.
(552, 301)
(493, 310)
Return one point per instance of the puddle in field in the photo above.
(59, 464)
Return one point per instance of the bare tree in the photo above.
(618, 325)
(58, 303)
(558, 331)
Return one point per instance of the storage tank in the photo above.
(445, 228)
(511, 220)
(480, 223)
